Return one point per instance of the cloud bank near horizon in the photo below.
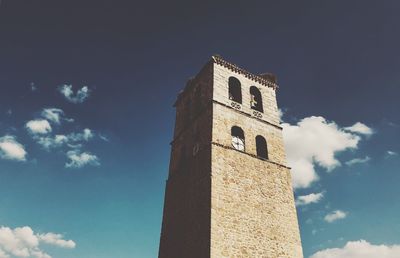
(24, 242)
(360, 249)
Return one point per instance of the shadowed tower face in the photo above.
(229, 191)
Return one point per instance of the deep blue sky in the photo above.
(336, 59)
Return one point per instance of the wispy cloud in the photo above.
(392, 153)
(33, 86)
(308, 199)
(72, 143)
(86, 135)
(50, 142)
(104, 138)
(314, 140)
(360, 128)
(39, 126)
(73, 140)
(358, 161)
(281, 113)
(54, 115)
(24, 242)
(360, 249)
(80, 96)
(56, 240)
(11, 149)
(393, 124)
(335, 215)
(79, 159)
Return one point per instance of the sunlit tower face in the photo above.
(229, 191)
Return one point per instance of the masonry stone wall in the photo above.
(193, 100)
(221, 202)
(253, 212)
(221, 93)
(186, 218)
(252, 204)
(225, 117)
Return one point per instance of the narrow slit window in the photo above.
(256, 99)
(262, 150)
(235, 90)
(238, 138)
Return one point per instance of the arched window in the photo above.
(256, 99)
(237, 138)
(261, 145)
(235, 90)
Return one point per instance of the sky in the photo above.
(86, 117)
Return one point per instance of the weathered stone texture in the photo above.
(220, 93)
(221, 202)
(252, 208)
(252, 205)
(186, 218)
(225, 117)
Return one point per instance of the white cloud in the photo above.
(23, 242)
(41, 126)
(335, 215)
(281, 113)
(86, 135)
(41, 129)
(104, 138)
(73, 139)
(314, 140)
(57, 240)
(3, 254)
(358, 161)
(54, 115)
(78, 159)
(308, 199)
(33, 86)
(52, 142)
(80, 96)
(392, 153)
(360, 128)
(11, 149)
(360, 249)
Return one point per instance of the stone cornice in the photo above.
(216, 59)
(220, 61)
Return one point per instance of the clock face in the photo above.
(238, 143)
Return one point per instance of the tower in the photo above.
(229, 191)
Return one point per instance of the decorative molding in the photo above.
(216, 59)
(220, 61)
(236, 105)
(209, 105)
(253, 115)
(249, 154)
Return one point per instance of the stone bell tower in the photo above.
(229, 190)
